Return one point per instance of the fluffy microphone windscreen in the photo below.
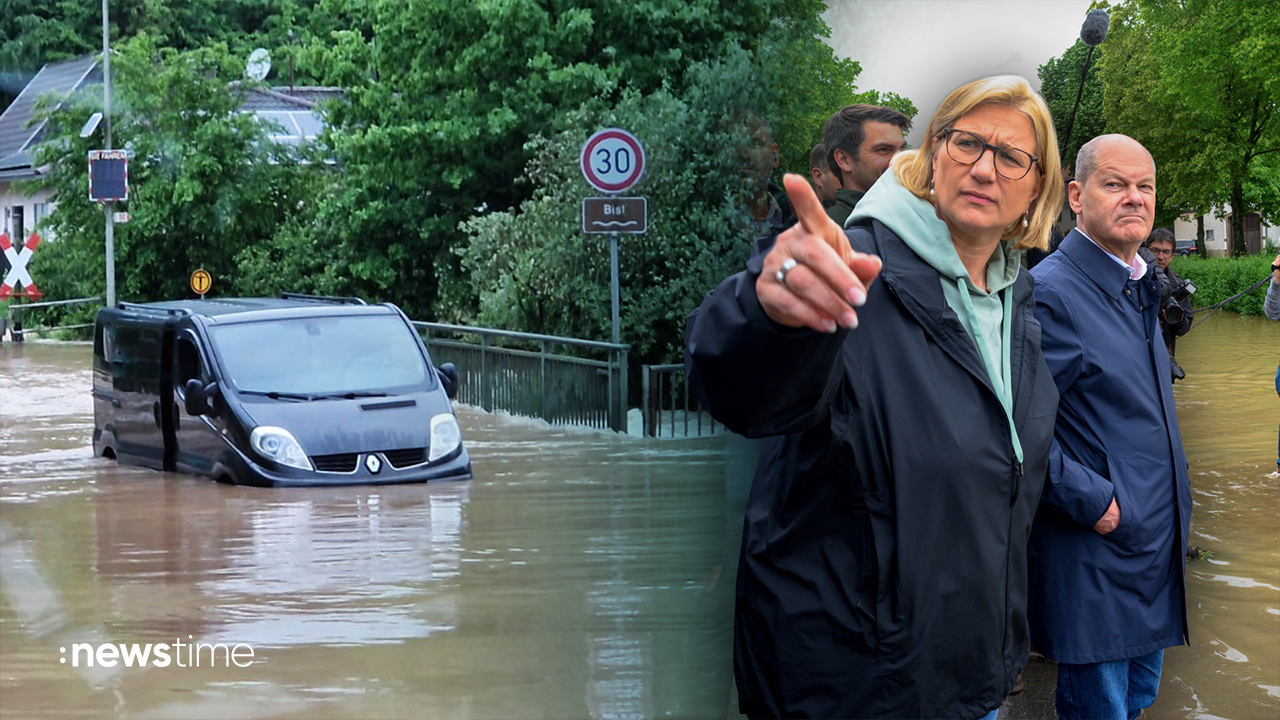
(1094, 30)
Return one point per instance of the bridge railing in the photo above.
(13, 316)
(561, 380)
(669, 408)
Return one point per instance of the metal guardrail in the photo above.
(533, 375)
(13, 318)
(666, 397)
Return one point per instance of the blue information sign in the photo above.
(108, 175)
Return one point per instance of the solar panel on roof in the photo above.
(291, 126)
(309, 123)
(277, 122)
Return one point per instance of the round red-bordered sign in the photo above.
(612, 160)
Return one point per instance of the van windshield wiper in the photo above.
(274, 395)
(351, 395)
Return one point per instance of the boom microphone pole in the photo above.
(1092, 32)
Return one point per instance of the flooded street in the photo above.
(579, 575)
(576, 576)
(1227, 410)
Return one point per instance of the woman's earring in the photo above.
(1024, 217)
(931, 191)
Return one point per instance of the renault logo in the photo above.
(373, 463)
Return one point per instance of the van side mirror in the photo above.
(448, 373)
(199, 397)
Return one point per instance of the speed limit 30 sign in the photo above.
(612, 160)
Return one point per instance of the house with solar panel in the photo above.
(292, 116)
(19, 212)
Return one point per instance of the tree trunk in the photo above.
(1200, 244)
(1238, 246)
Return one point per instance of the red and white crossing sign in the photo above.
(18, 275)
(612, 160)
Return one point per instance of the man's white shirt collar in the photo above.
(1136, 269)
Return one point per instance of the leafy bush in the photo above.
(1217, 279)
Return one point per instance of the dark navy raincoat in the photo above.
(1097, 598)
(883, 566)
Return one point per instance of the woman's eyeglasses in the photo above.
(966, 148)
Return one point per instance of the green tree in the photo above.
(1059, 86)
(1196, 83)
(803, 82)
(438, 127)
(443, 98)
(204, 181)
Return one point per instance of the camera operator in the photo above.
(1175, 293)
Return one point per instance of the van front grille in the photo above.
(405, 457)
(340, 463)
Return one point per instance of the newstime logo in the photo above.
(182, 654)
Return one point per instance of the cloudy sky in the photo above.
(924, 49)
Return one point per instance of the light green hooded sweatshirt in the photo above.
(985, 315)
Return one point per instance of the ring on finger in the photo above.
(787, 266)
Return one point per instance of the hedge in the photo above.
(1217, 279)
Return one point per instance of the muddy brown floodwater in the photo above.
(578, 575)
(1229, 414)
(581, 574)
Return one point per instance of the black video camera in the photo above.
(1172, 292)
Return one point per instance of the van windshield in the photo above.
(322, 355)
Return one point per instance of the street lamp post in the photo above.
(106, 116)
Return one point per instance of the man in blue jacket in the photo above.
(1107, 550)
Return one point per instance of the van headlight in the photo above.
(445, 436)
(275, 443)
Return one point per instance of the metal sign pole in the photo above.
(619, 400)
(106, 115)
(613, 283)
(111, 257)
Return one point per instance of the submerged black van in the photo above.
(296, 390)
